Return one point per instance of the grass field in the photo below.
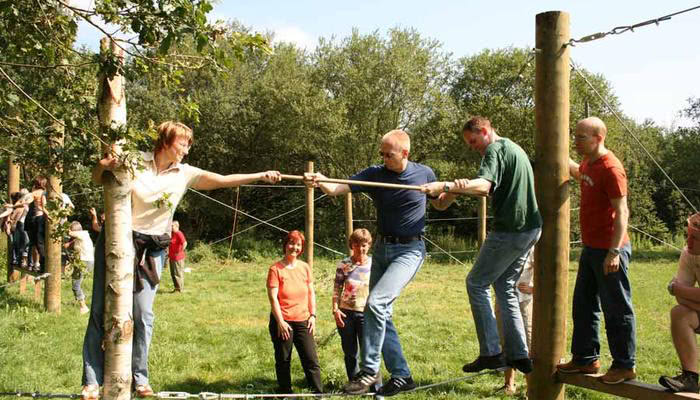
(214, 336)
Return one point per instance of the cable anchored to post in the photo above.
(626, 28)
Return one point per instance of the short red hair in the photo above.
(295, 235)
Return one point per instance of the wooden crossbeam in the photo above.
(630, 389)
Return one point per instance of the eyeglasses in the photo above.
(581, 138)
(389, 154)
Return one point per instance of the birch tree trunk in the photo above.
(12, 186)
(119, 253)
(52, 285)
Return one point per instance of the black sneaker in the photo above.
(523, 365)
(681, 383)
(396, 385)
(485, 362)
(361, 383)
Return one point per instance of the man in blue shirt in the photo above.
(398, 254)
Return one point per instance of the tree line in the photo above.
(278, 107)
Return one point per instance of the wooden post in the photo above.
(482, 220)
(52, 284)
(12, 186)
(310, 219)
(552, 187)
(235, 219)
(348, 217)
(119, 254)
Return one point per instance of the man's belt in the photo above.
(398, 239)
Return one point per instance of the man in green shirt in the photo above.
(506, 176)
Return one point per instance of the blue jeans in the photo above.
(613, 292)
(500, 263)
(93, 355)
(393, 267)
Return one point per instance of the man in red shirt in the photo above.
(602, 281)
(176, 254)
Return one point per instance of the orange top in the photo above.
(601, 180)
(293, 294)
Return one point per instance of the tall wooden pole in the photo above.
(52, 292)
(12, 186)
(310, 219)
(348, 217)
(235, 220)
(552, 187)
(482, 220)
(119, 253)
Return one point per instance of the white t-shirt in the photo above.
(149, 187)
(83, 245)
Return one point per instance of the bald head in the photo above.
(593, 126)
(398, 139)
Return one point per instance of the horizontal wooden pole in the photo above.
(630, 389)
(358, 183)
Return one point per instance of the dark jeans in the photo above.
(306, 347)
(351, 340)
(19, 244)
(611, 293)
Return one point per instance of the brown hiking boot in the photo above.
(617, 375)
(574, 368)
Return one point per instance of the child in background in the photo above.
(85, 252)
(523, 289)
(176, 255)
(350, 293)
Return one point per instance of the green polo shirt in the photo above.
(513, 200)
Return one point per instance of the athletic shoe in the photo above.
(361, 383)
(396, 385)
(523, 365)
(681, 383)
(617, 375)
(485, 362)
(573, 367)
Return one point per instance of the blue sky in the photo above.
(653, 70)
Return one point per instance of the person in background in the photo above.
(524, 290)
(84, 252)
(176, 255)
(290, 290)
(95, 223)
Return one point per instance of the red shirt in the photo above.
(176, 252)
(601, 180)
(293, 293)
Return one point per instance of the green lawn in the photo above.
(214, 336)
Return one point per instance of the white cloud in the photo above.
(294, 34)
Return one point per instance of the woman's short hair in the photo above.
(168, 131)
(75, 226)
(359, 236)
(294, 236)
(39, 183)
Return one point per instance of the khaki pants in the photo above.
(177, 272)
